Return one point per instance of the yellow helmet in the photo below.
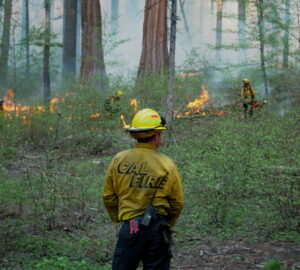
(119, 93)
(246, 80)
(147, 120)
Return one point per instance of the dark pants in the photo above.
(147, 246)
(246, 106)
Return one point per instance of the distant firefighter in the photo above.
(112, 103)
(248, 96)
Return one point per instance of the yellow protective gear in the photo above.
(132, 178)
(146, 120)
(248, 93)
(246, 80)
(119, 93)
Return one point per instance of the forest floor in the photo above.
(235, 255)
(53, 216)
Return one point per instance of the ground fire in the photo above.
(9, 105)
(199, 106)
(11, 109)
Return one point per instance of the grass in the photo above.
(241, 180)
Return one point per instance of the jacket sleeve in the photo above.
(176, 198)
(242, 93)
(253, 92)
(109, 196)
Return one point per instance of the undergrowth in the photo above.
(241, 179)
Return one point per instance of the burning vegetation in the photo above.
(11, 109)
(201, 106)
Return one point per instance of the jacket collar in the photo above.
(146, 145)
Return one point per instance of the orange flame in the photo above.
(10, 106)
(133, 102)
(125, 125)
(95, 115)
(197, 105)
(8, 100)
(53, 102)
(201, 101)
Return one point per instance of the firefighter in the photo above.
(143, 191)
(112, 103)
(248, 96)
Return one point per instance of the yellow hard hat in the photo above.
(147, 120)
(119, 93)
(246, 80)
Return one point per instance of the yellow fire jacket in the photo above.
(248, 93)
(132, 178)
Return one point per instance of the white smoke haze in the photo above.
(200, 22)
(196, 32)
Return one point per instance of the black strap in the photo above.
(153, 196)
(250, 87)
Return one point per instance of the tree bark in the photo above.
(219, 29)
(212, 2)
(286, 34)
(154, 57)
(92, 59)
(202, 16)
(78, 41)
(171, 62)
(186, 26)
(261, 26)
(298, 22)
(114, 15)
(27, 46)
(242, 28)
(69, 38)
(46, 69)
(5, 42)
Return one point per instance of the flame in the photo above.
(199, 102)
(8, 100)
(190, 74)
(53, 101)
(10, 106)
(133, 102)
(197, 105)
(95, 115)
(124, 123)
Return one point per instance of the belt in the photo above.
(139, 218)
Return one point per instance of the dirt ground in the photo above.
(235, 255)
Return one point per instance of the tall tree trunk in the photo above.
(242, 28)
(78, 40)
(69, 38)
(5, 42)
(219, 29)
(92, 58)
(286, 34)
(212, 2)
(154, 57)
(114, 15)
(202, 16)
(46, 69)
(186, 26)
(298, 22)
(27, 46)
(171, 62)
(261, 25)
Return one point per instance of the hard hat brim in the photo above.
(144, 129)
